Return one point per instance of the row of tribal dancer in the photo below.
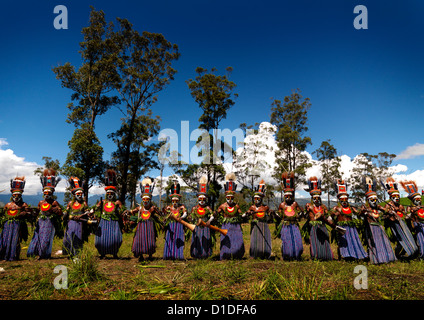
(381, 224)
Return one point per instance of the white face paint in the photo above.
(146, 201)
(110, 195)
(417, 201)
(78, 195)
(16, 197)
(230, 199)
(373, 202)
(201, 201)
(316, 200)
(257, 201)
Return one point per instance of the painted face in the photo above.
(110, 195)
(395, 198)
(316, 200)
(417, 201)
(201, 200)
(16, 197)
(373, 202)
(175, 202)
(47, 194)
(288, 198)
(344, 202)
(257, 200)
(230, 199)
(78, 195)
(146, 201)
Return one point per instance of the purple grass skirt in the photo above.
(379, 247)
(174, 242)
(232, 245)
(350, 245)
(201, 243)
(10, 247)
(72, 240)
(291, 242)
(108, 237)
(144, 241)
(42, 240)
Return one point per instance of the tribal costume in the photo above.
(260, 235)
(75, 233)
(416, 212)
(42, 240)
(406, 246)
(349, 243)
(15, 228)
(316, 225)
(379, 247)
(289, 212)
(145, 234)
(232, 245)
(108, 235)
(201, 241)
(175, 233)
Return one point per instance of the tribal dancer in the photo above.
(317, 214)
(260, 235)
(416, 213)
(379, 247)
(15, 228)
(232, 245)
(290, 213)
(108, 235)
(202, 239)
(42, 240)
(175, 234)
(406, 247)
(349, 243)
(146, 232)
(75, 218)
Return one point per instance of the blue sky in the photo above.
(366, 86)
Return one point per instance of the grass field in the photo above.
(91, 278)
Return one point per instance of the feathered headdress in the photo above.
(390, 186)
(110, 180)
(175, 190)
(288, 182)
(411, 188)
(202, 186)
(147, 187)
(49, 179)
(370, 186)
(75, 184)
(17, 185)
(341, 188)
(230, 185)
(260, 189)
(314, 186)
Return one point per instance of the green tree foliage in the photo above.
(330, 167)
(290, 116)
(84, 159)
(214, 96)
(96, 77)
(144, 68)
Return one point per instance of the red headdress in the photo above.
(288, 182)
(341, 188)
(17, 185)
(110, 180)
(49, 179)
(147, 187)
(75, 184)
(202, 186)
(314, 186)
(411, 188)
(230, 185)
(390, 186)
(260, 189)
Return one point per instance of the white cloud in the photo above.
(411, 152)
(11, 166)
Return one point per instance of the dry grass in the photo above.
(126, 278)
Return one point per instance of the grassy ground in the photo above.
(91, 278)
